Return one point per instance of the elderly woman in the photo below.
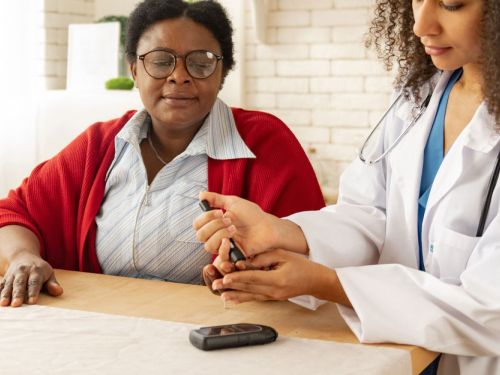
(121, 198)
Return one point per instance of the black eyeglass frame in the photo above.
(177, 56)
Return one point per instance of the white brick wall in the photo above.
(314, 73)
(56, 15)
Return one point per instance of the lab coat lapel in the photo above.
(479, 136)
(407, 157)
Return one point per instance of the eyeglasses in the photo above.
(160, 63)
(368, 153)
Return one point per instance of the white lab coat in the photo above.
(452, 308)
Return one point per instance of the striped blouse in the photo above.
(146, 230)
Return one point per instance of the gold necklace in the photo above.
(150, 141)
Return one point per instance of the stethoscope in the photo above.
(420, 111)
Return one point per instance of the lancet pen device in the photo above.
(235, 254)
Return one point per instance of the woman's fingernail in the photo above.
(211, 271)
(226, 221)
(231, 228)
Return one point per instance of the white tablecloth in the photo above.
(45, 340)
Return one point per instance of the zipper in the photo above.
(145, 202)
(147, 199)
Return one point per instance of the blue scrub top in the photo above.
(433, 157)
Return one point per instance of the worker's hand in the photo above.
(280, 275)
(274, 275)
(25, 277)
(232, 217)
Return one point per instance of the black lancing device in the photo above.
(235, 254)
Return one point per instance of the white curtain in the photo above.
(20, 62)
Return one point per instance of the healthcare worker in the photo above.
(411, 251)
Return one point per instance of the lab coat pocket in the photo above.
(449, 254)
(184, 208)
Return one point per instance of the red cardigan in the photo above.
(61, 198)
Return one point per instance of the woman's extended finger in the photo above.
(210, 274)
(217, 286)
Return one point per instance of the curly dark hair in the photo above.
(391, 34)
(207, 13)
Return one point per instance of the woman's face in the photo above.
(179, 102)
(449, 31)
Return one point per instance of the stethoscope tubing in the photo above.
(422, 108)
(489, 195)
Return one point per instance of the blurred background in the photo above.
(303, 61)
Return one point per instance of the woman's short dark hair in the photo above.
(391, 33)
(207, 13)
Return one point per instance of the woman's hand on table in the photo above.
(25, 277)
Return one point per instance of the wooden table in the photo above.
(195, 304)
